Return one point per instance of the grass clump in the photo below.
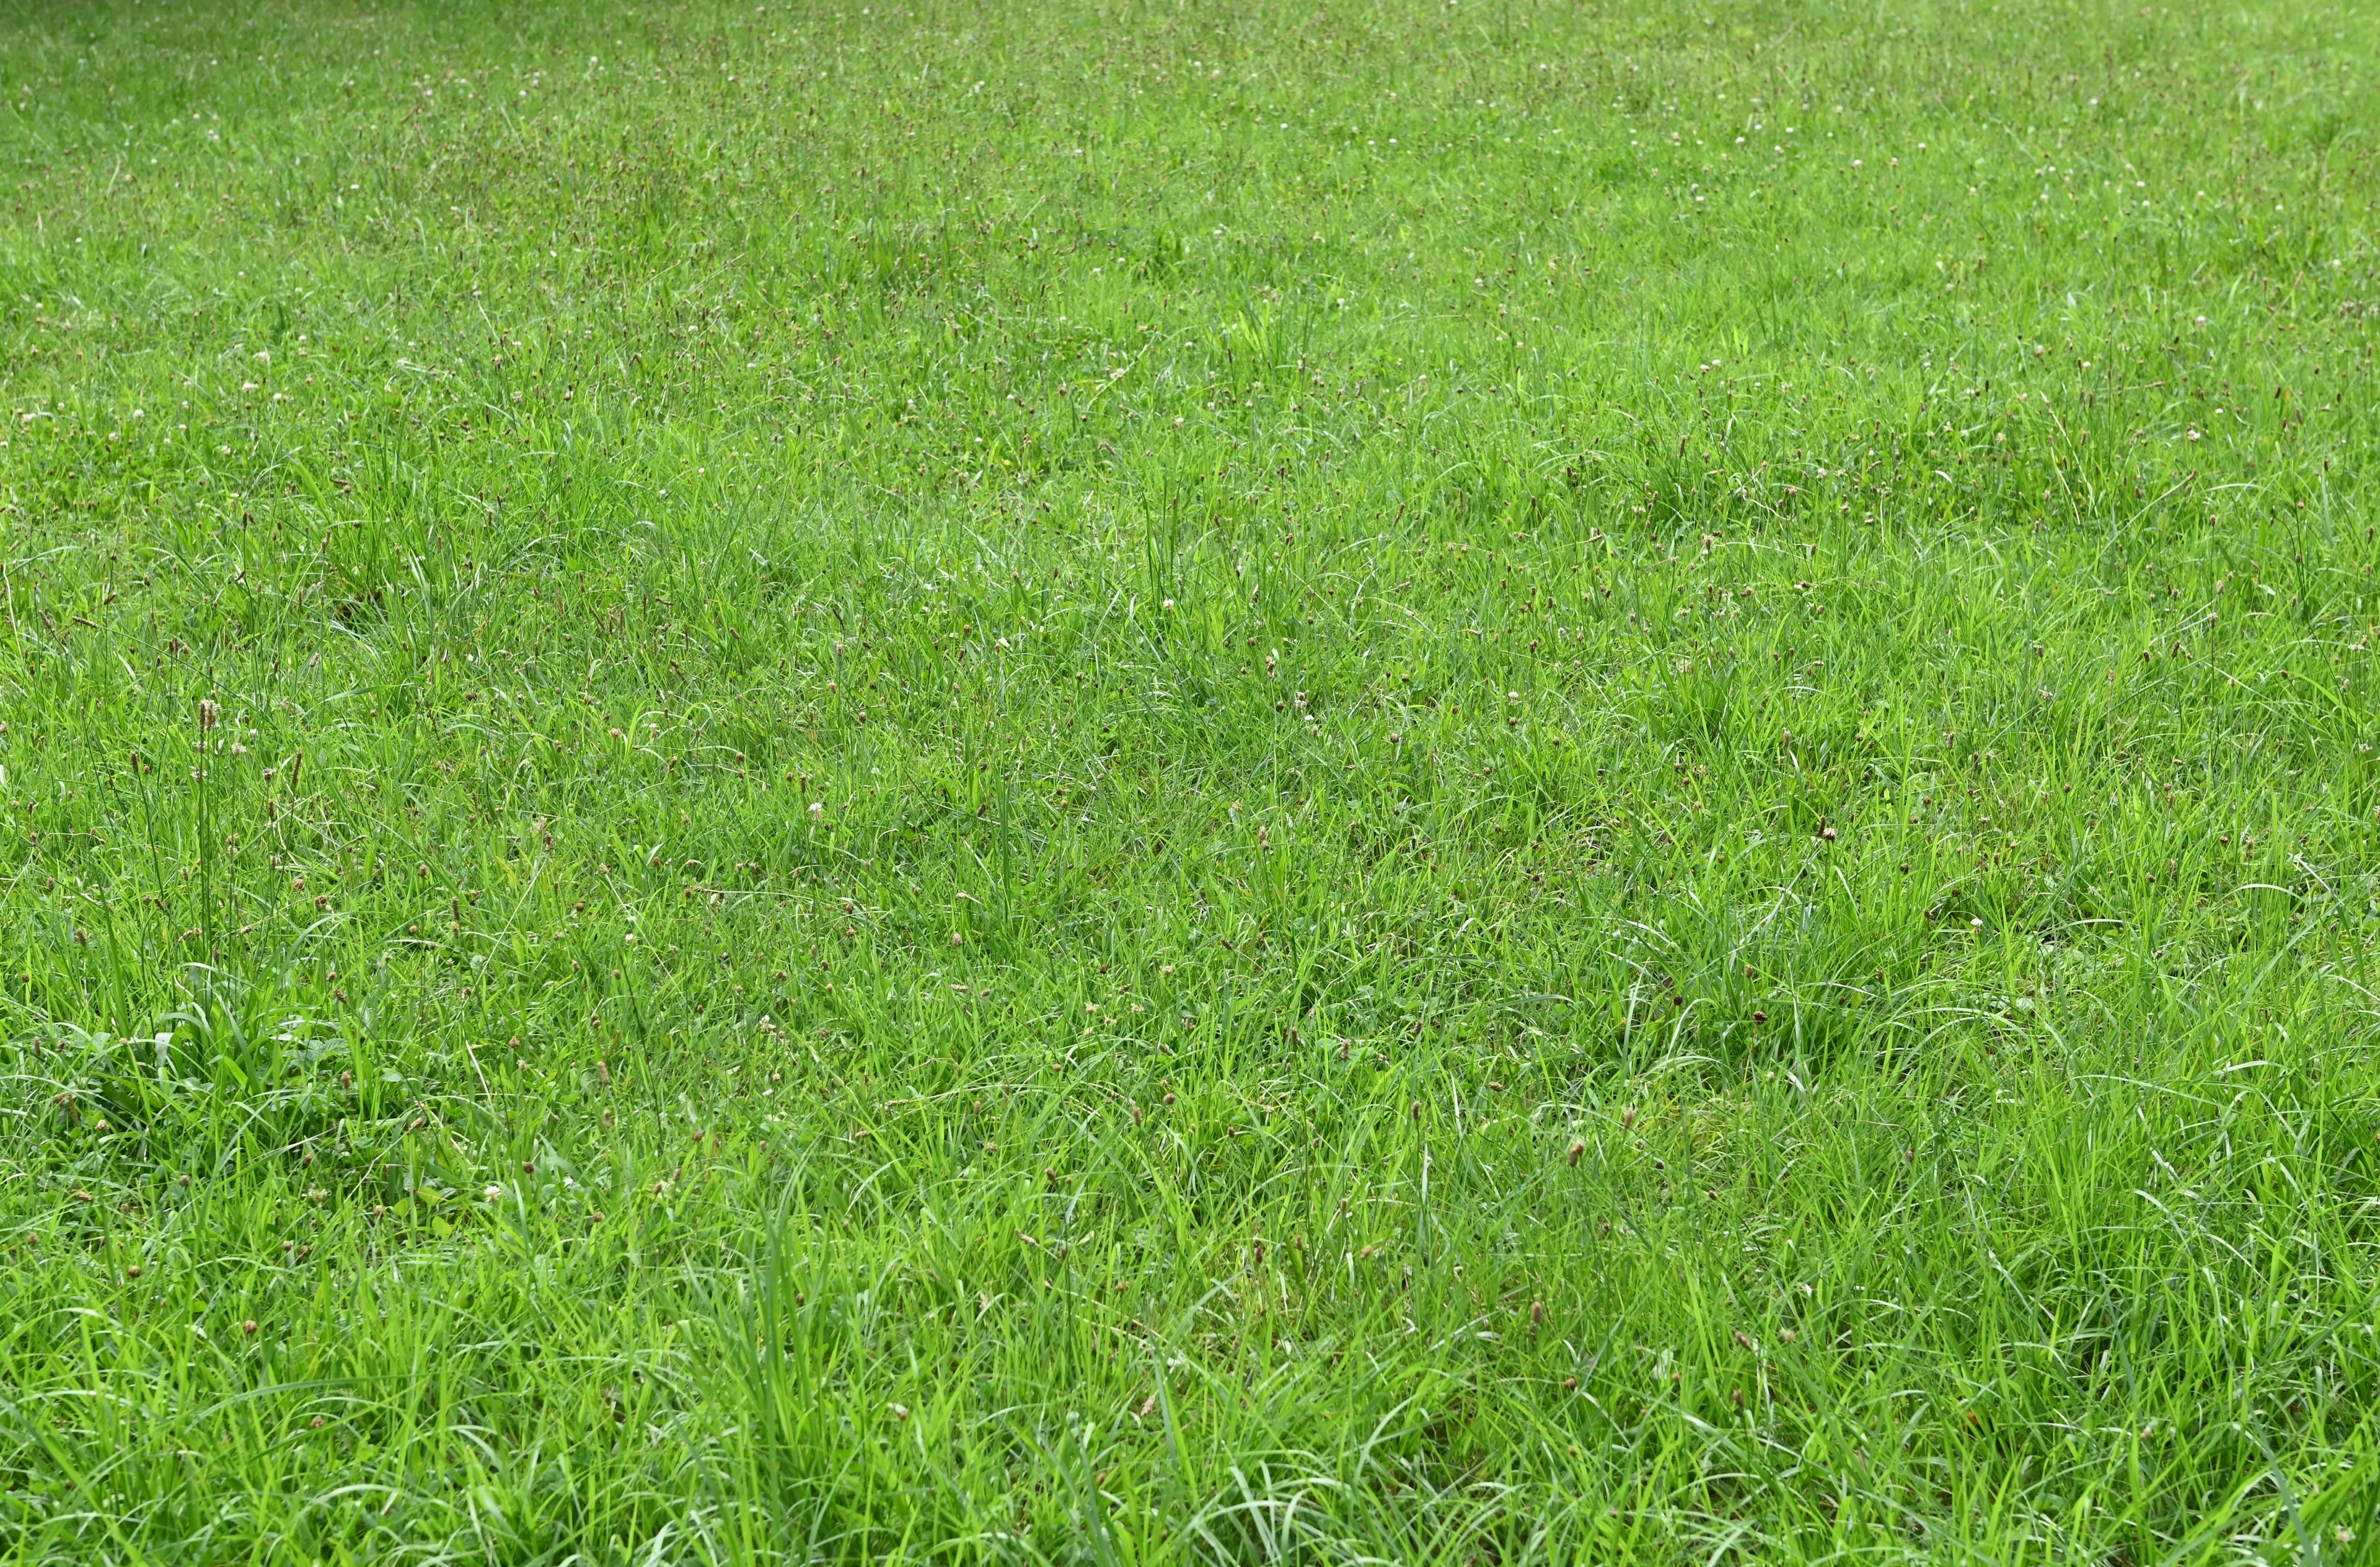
(1462, 783)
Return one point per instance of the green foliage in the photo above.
(1455, 783)
(211, 1078)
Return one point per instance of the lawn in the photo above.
(1447, 783)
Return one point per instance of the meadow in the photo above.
(1093, 780)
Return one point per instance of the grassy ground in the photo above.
(1454, 783)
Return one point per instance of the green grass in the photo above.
(1491, 783)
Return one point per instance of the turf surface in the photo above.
(1447, 783)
